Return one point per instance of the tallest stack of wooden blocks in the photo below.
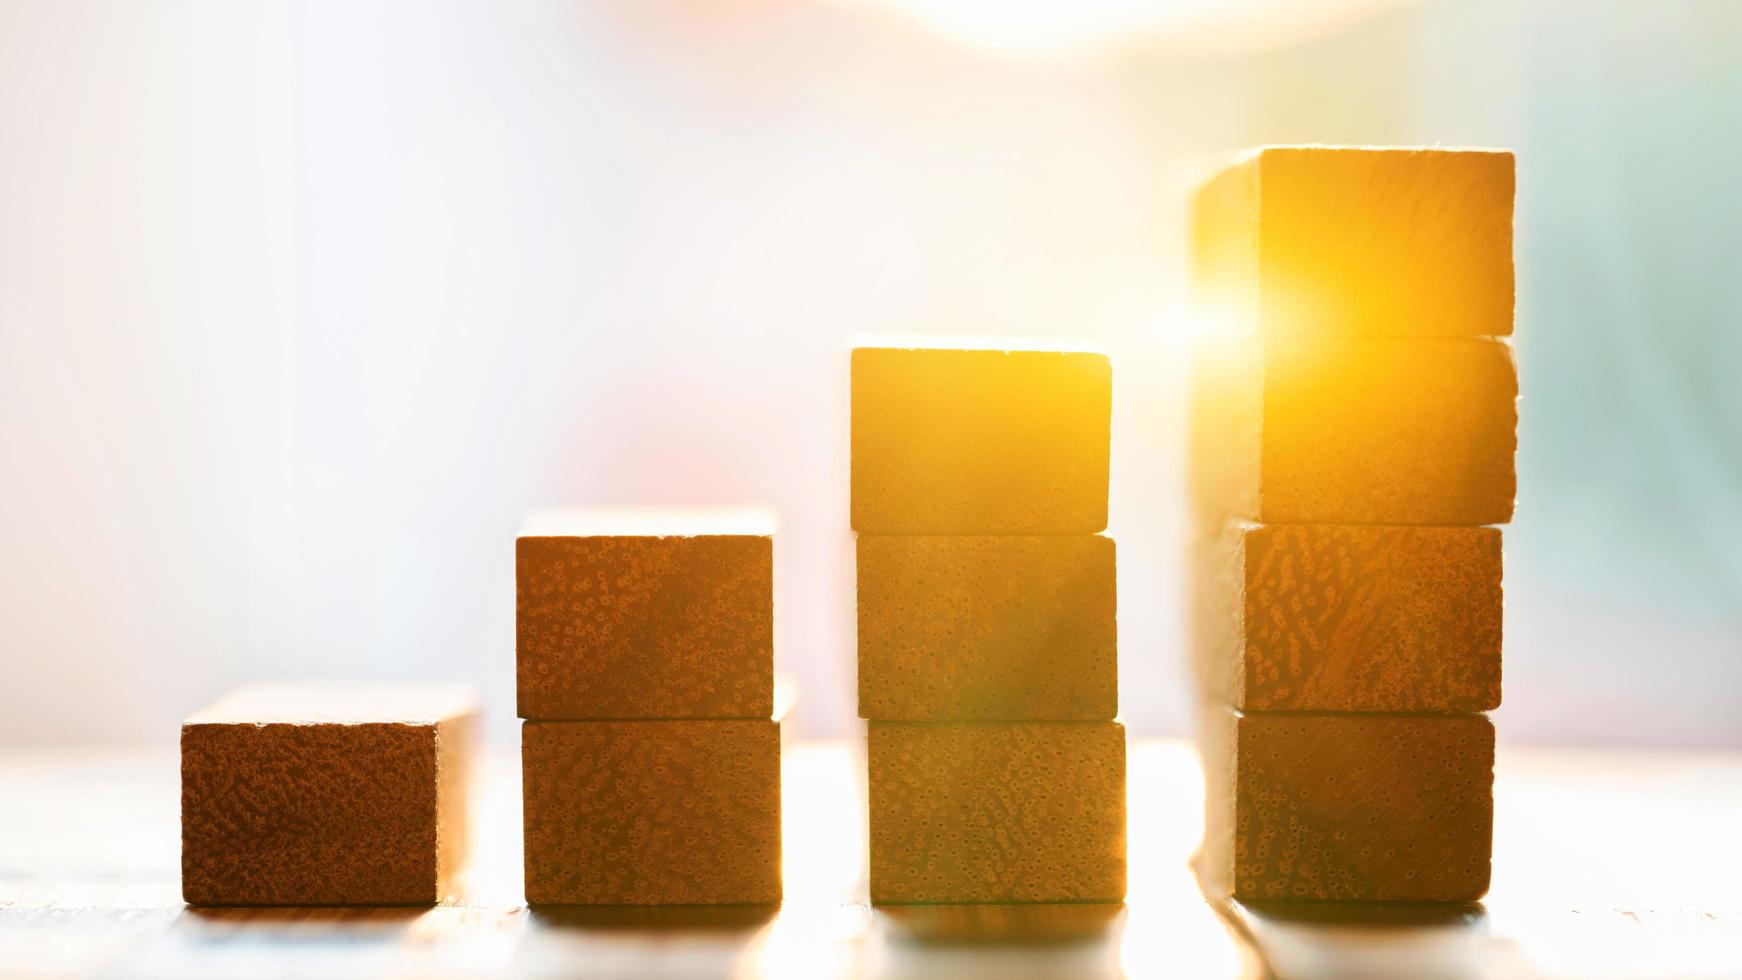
(986, 635)
(1353, 446)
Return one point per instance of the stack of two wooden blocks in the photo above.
(650, 758)
(986, 635)
(1350, 455)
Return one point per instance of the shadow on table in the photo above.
(713, 919)
(315, 915)
(1000, 925)
(1375, 915)
(625, 941)
(1365, 939)
(209, 943)
(998, 941)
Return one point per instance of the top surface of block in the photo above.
(1335, 241)
(339, 703)
(952, 441)
(649, 522)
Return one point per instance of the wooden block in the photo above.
(1332, 241)
(652, 812)
(646, 614)
(313, 794)
(1392, 808)
(1336, 617)
(978, 628)
(979, 441)
(996, 812)
(1355, 432)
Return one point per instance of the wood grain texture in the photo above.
(89, 888)
(969, 627)
(979, 441)
(325, 812)
(1339, 431)
(1336, 241)
(996, 812)
(652, 812)
(643, 626)
(1393, 808)
(1330, 617)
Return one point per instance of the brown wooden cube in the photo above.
(1323, 241)
(1006, 628)
(312, 794)
(979, 441)
(1393, 808)
(1337, 617)
(652, 812)
(996, 812)
(645, 614)
(1340, 431)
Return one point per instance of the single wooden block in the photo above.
(987, 628)
(1334, 241)
(1355, 431)
(996, 812)
(979, 441)
(1391, 808)
(652, 812)
(645, 614)
(310, 794)
(1337, 617)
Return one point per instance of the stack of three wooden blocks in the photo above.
(651, 760)
(1353, 445)
(986, 626)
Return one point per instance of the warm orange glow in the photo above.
(820, 926)
(1170, 929)
(1190, 324)
(955, 441)
(1317, 241)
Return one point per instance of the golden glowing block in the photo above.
(1355, 432)
(1332, 617)
(652, 812)
(316, 794)
(979, 441)
(1392, 808)
(1004, 628)
(1324, 241)
(646, 614)
(997, 812)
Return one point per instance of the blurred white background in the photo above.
(303, 306)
